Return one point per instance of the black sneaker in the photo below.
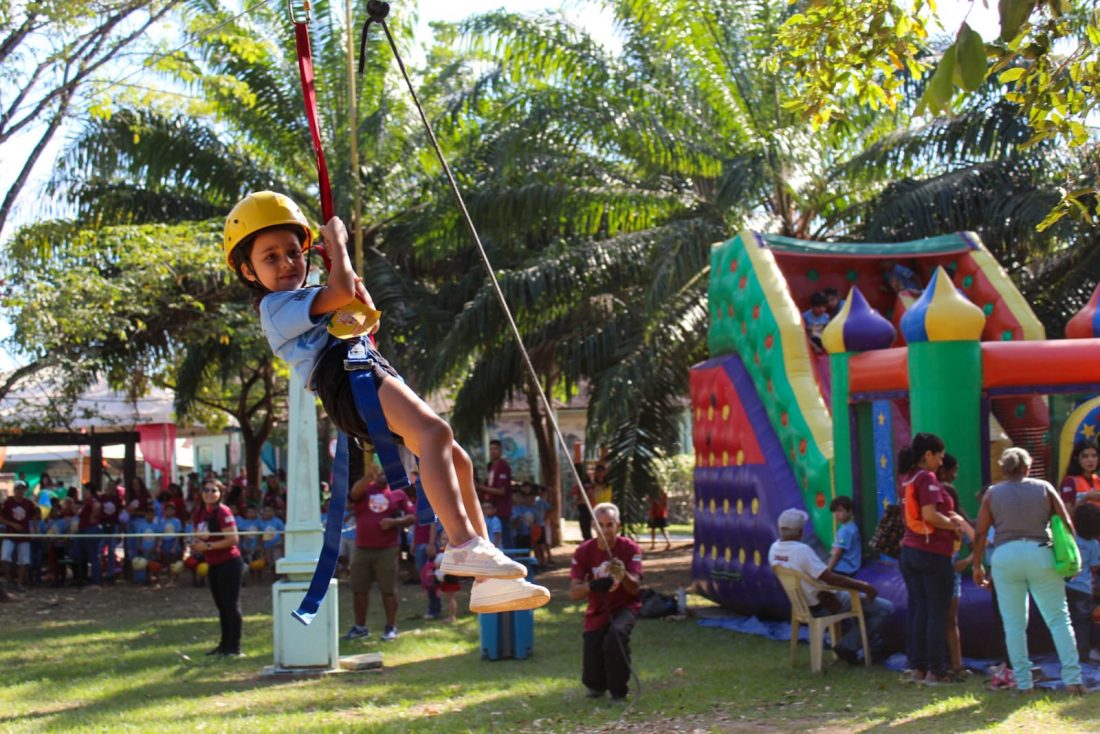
(849, 656)
(231, 654)
(593, 693)
(357, 633)
(217, 651)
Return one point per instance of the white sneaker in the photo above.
(506, 595)
(481, 558)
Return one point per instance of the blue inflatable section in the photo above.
(737, 506)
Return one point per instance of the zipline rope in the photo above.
(378, 11)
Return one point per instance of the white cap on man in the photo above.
(793, 519)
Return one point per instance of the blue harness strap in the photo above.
(364, 387)
(334, 525)
(425, 513)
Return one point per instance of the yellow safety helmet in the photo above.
(261, 210)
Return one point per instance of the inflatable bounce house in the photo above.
(932, 337)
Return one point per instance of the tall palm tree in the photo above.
(600, 178)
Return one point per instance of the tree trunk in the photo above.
(254, 433)
(252, 449)
(550, 471)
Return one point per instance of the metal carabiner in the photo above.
(306, 14)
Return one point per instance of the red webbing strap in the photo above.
(305, 70)
(309, 93)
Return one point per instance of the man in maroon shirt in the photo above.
(18, 515)
(613, 587)
(498, 489)
(379, 515)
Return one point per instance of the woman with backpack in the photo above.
(1020, 509)
(932, 529)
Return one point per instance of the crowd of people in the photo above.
(143, 534)
(1015, 520)
(517, 520)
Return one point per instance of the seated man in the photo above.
(613, 588)
(789, 551)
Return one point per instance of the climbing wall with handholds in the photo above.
(754, 317)
(743, 480)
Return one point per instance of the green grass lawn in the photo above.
(140, 667)
(681, 528)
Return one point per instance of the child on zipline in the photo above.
(266, 241)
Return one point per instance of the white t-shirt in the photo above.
(801, 557)
(295, 335)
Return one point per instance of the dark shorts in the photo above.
(657, 523)
(369, 565)
(334, 389)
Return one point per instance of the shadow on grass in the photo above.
(434, 681)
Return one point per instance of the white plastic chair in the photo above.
(800, 615)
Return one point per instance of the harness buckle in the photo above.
(358, 357)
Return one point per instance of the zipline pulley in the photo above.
(377, 10)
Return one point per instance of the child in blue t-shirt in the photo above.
(816, 318)
(250, 544)
(541, 536)
(847, 555)
(314, 329)
(272, 528)
(1086, 521)
(171, 548)
(145, 545)
(57, 527)
(492, 523)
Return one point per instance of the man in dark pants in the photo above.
(613, 587)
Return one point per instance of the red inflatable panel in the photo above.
(1000, 324)
(1019, 364)
(885, 370)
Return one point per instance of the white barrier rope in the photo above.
(123, 536)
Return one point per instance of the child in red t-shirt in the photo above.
(448, 585)
(658, 518)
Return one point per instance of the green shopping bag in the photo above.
(1067, 556)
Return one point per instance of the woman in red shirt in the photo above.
(1081, 483)
(216, 539)
(931, 528)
